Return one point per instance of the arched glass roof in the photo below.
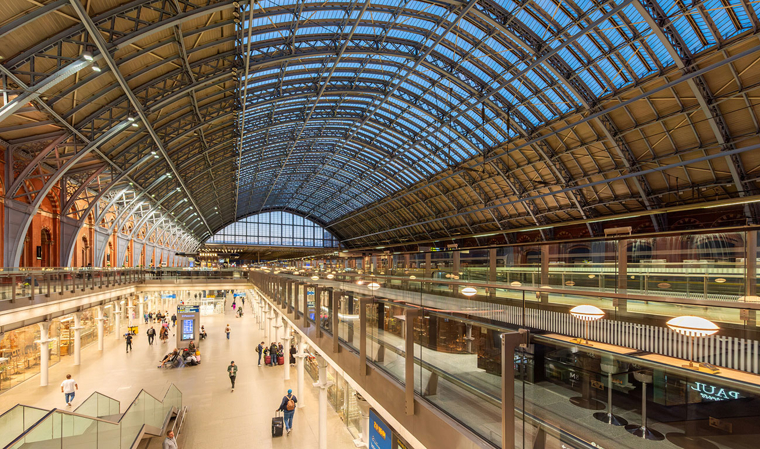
(387, 120)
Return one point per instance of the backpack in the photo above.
(290, 406)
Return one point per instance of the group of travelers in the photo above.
(181, 357)
(274, 354)
(160, 318)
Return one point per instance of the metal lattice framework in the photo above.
(386, 121)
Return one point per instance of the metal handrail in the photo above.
(559, 291)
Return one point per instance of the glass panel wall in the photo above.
(275, 229)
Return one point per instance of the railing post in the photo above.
(409, 316)
(14, 284)
(509, 341)
(47, 284)
(61, 277)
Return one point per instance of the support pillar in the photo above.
(101, 334)
(751, 266)
(78, 338)
(455, 266)
(492, 270)
(286, 353)
(363, 440)
(277, 325)
(300, 367)
(117, 321)
(141, 310)
(428, 266)
(44, 352)
(545, 272)
(622, 279)
(269, 325)
(469, 338)
(323, 385)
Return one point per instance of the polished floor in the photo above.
(217, 417)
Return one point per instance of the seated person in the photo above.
(170, 357)
(203, 332)
(191, 360)
(191, 347)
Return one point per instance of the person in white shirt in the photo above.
(68, 388)
(170, 442)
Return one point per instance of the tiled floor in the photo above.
(218, 418)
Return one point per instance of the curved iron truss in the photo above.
(389, 120)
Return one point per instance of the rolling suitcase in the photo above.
(278, 424)
(281, 360)
(268, 359)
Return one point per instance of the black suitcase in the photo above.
(278, 424)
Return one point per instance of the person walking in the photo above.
(128, 337)
(170, 442)
(145, 317)
(288, 407)
(174, 320)
(68, 388)
(260, 350)
(150, 316)
(151, 335)
(227, 331)
(232, 371)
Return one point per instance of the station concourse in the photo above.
(457, 224)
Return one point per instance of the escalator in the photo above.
(97, 423)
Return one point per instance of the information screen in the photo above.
(188, 330)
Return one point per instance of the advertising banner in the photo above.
(380, 435)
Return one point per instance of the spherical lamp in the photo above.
(586, 313)
(315, 278)
(412, 277)
(330, 276)
(373, 286)
(693, 327)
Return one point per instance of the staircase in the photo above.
(97, 423)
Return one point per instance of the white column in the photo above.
(300, 362)
(78, 338)
(469, 338)
(117, 320)
(277, 325)
(363, 440)
(286, 352)
(44, 352)
(141, 311)
(270, 317)
(101, 334)
(130, 310)
(323, 384)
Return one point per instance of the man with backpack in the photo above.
(288, 407)
(151, 335)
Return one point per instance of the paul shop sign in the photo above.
(714, 393)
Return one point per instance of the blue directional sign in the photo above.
(237, 295)
(172, 296)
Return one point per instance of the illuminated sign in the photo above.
(187, 329)
(714, 393)
(379, 432)
(188, 309)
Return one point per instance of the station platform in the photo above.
(216, 416)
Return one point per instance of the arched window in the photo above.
(275, 229)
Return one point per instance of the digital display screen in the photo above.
(187, 329)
